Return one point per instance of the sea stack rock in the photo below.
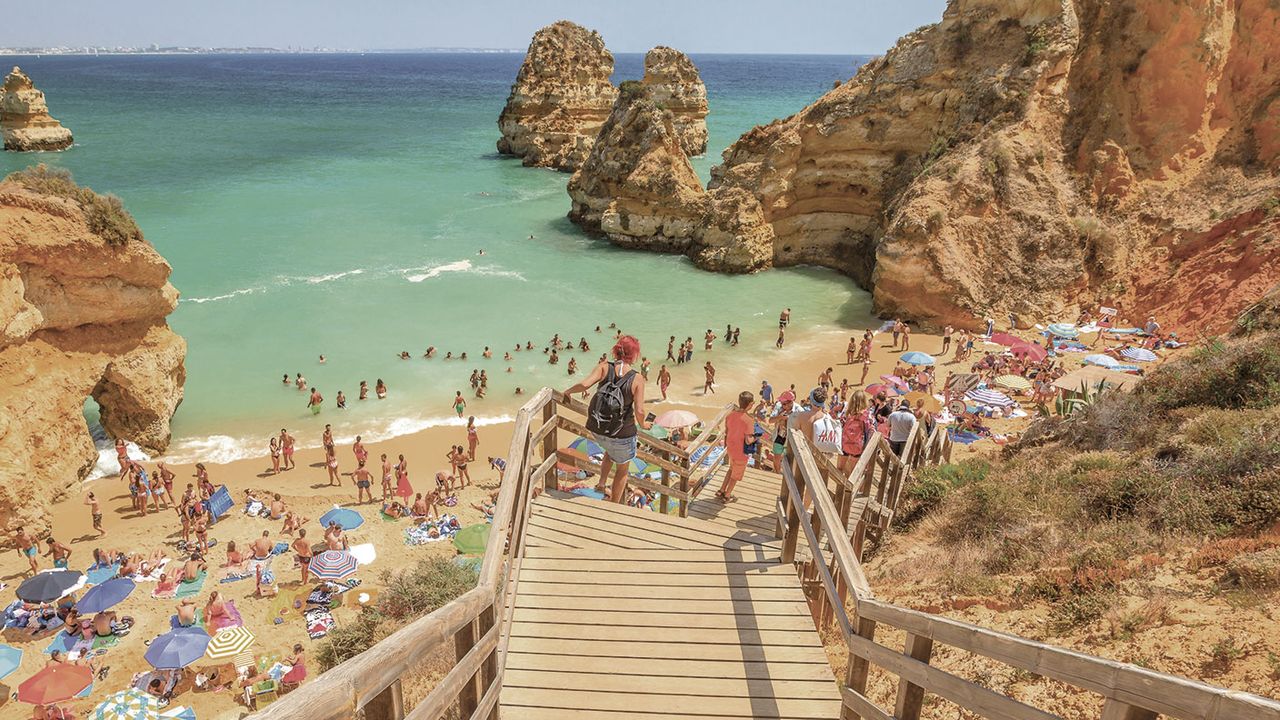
(83, 306)
(637, 187)
(24, 118)
(674, 83)
(561, 97)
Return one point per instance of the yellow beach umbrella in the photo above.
(1014, 382)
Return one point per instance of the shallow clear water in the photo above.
(336, 204)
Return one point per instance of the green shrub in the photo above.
(104, 214)
(1073, 611)
(1234, 375)
(349, 640)
(424, 588)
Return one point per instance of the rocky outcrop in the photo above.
(674, 83)
(1036, 157)
(638, 189)
(24, 118)
(561, 97)
(83, 309)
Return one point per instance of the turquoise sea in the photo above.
(336, 204)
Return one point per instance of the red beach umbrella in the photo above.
(896, 381)
(1025, 350)
(55, 683)
(1007, 339)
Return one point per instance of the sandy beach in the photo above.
(306, 490)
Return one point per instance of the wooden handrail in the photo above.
(707, 434)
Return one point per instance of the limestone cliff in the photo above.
(24, 118)
(83, 302)
(1035, 157)
(561, 97)
(674, 83)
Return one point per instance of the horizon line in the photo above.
(254, 50)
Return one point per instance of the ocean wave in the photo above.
(107, 465)
(215, 298)
(419, 274)
(317, 279)
(225, 448)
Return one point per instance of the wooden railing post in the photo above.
(1117, 710)
(469, 695)
(792, 537)
(663, 498)
(386, 705)
(855, 677)
(911, 697)
(549, 443)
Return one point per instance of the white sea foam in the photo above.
(317, 279)
(107, 465)
(227, 296)
(419, 274)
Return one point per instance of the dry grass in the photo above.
(104, 214)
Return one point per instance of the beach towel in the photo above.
(232, 618)
(188, 588)
(256, 509)
(105, 641)
(173, 620)
(154, 575)
(963, 437)
(220, 503)
(280, 548)
(63, 642)
(319, 622)
(99, 574)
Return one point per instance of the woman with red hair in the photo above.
(615, 411)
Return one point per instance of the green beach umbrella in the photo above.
(472, 539)
(659, 432)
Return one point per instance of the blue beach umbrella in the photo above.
(346, 518)
(10, 659)
(101, 597)
(177, 648)
(586, 447)
(1100, 360)
(917, 358)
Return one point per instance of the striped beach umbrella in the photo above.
(131, 704)
(229, 642)
(586, 447)
(989, 397)
(1101, 360)
(1064, 330)
(1014, 382)
(1139, 354)
(333, 565)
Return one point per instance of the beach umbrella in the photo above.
(177, 648)
(1139, 354)
(333, 565)
(989, 397)
(346, 518)
(917, 358)
(55, 683)
(1100, 360)
(472, 539)
(1006, 339)
(1014, 382)
(874, 390)
(930, 402)
(130, 704)
(1027, 351)
(1064, 330)
(50, 585)
(586, 447)
(568, 466)
(673, 419)
(229, 642)
(101, 597)
(10, 659)
(896, 381)
(179, 713)
(658, 431)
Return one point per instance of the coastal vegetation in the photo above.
(1124, 516)
(104, 214)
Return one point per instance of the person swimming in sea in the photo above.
(341, 401)
(380, 389)
(364, 390)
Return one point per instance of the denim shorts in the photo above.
(619, 450)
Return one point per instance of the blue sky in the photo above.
(773, 26)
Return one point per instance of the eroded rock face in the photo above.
(638, 189)
(561, 97)
(79, 317)
(25, 123)
(674, 83)
(1034, 157)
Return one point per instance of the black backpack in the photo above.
(607, 414)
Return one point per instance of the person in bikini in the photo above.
(275, 455)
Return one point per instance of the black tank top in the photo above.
(628, 400)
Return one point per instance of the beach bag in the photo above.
(826, 435)
(607, 414)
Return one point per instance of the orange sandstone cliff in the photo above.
(1032, 157)
(83, 306)
(25, 123)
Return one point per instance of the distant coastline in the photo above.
(156, 50)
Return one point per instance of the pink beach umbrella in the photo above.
(896, 381)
